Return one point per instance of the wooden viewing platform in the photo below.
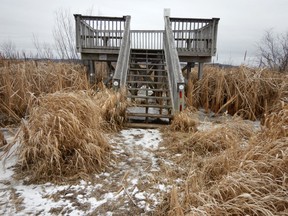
(147, 62)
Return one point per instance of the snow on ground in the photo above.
(126, 187)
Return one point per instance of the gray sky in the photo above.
(242, 22)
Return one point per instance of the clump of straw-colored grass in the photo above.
(185, 121)
(113, 109)
(276, 124)
(250, 93)
(19, 80)
(62, 138)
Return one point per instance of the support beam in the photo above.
(91, 71)
(200, 70)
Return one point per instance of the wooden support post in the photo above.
(91, 69)
(200, 70)
(189, 66)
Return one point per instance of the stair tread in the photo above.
(146, 69)
(148, 89)
(147, 75)
(147, 82)
(152, 115)
(148, 97)
(133, 57)
(147, 63)
(144, 125)
(154, 106)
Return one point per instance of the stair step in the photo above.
(144, 58)
(151, 115)
(145, 125)
(147, 63)
(147, 75)
(154, 106)
(148, 97)
(146, 69)
(146, 82)
(148, 89)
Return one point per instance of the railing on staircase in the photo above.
(176, 79)
(120, 75)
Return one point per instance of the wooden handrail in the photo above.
(120, 75)
(176, 79)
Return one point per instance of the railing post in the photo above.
(78, 29)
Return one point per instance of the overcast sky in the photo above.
(242, 22)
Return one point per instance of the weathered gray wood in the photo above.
(120, 75)
(200, 70)
(176, 79)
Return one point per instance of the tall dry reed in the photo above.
(20, 80)
(250, 93)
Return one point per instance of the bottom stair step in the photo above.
(149, 115)
(144, 125)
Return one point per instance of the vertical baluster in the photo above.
(189, 36)
(85, 34)
(93, 33)
(182, 34)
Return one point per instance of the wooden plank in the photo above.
(149, 115)
(144, 125)
(148, 97)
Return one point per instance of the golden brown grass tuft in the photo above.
(250, 93)
(20, 80)
(113, 109)
(63, 138)
(276, 124)
(185, 121)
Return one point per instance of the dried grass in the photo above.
(276, 124)
(250, 93)
(185, 121)
(20, 80)
(245, 175)
(63, 137)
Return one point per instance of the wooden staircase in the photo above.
(148, 89)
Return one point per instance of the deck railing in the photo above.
(99, 32)
(195, 35)
(176, 79)
(147, 39)
(120, 75)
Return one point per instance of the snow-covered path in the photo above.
(131, 184)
